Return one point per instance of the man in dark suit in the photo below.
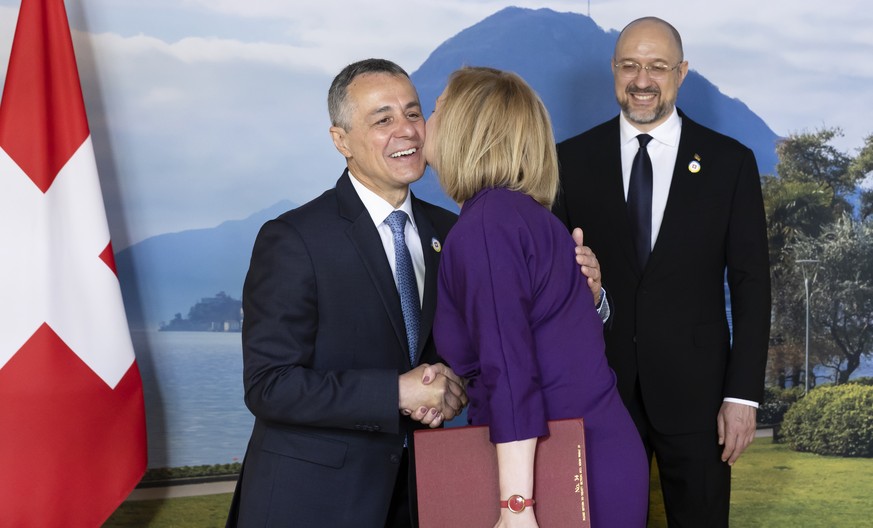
(335, 379)
(667, 215)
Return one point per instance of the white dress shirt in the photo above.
(663, 150)
(379, 210)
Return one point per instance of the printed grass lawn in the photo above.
(775, 486)
(185, 512)
(772, 487)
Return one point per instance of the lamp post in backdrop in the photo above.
(805, 265)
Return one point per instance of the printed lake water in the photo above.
(194, 397)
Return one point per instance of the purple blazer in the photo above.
(516, 317)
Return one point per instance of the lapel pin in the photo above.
(435, 244)
(694, 166)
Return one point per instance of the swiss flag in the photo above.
(72, 422)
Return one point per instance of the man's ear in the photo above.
(683, 71)
(339, 136)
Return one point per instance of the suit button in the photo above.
(395, 459)
(635, 339)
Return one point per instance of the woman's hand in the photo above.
(525, 519)
(515, 470)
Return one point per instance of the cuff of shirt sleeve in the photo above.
(743, 402)
(603, 306)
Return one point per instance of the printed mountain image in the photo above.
(564, 56)
(167, 274)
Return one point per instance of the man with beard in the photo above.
(670, 207)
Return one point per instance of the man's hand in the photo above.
(587, 260)
(736, 429)
(431, 394)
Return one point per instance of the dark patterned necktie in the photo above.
(639, 201)
(407, 285)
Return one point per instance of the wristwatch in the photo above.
(517, 503)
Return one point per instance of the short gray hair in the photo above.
(337, 105)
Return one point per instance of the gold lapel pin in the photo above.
(435, 244)
(694, 167)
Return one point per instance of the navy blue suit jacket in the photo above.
(323, 345)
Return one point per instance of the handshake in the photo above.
(431, 394)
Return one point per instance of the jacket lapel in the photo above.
(365, 238)
(431, 252)
(683, 189)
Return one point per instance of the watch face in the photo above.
(516, 504)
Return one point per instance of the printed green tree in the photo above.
(810, 200)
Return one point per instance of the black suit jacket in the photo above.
(669, 327)
(323, 345)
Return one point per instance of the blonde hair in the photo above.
(494, 131)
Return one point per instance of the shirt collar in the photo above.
(667, 132)
(377, 207)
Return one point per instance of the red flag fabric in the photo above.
(72, 421)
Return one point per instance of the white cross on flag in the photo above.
(72, 423)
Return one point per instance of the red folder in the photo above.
(456, 470)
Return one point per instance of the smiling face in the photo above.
(645, 102)
(384, 140)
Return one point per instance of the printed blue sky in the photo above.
(207, 110)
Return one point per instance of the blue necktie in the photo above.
(407, 285)
(639, 201)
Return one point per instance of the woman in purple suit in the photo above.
(514, 315)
